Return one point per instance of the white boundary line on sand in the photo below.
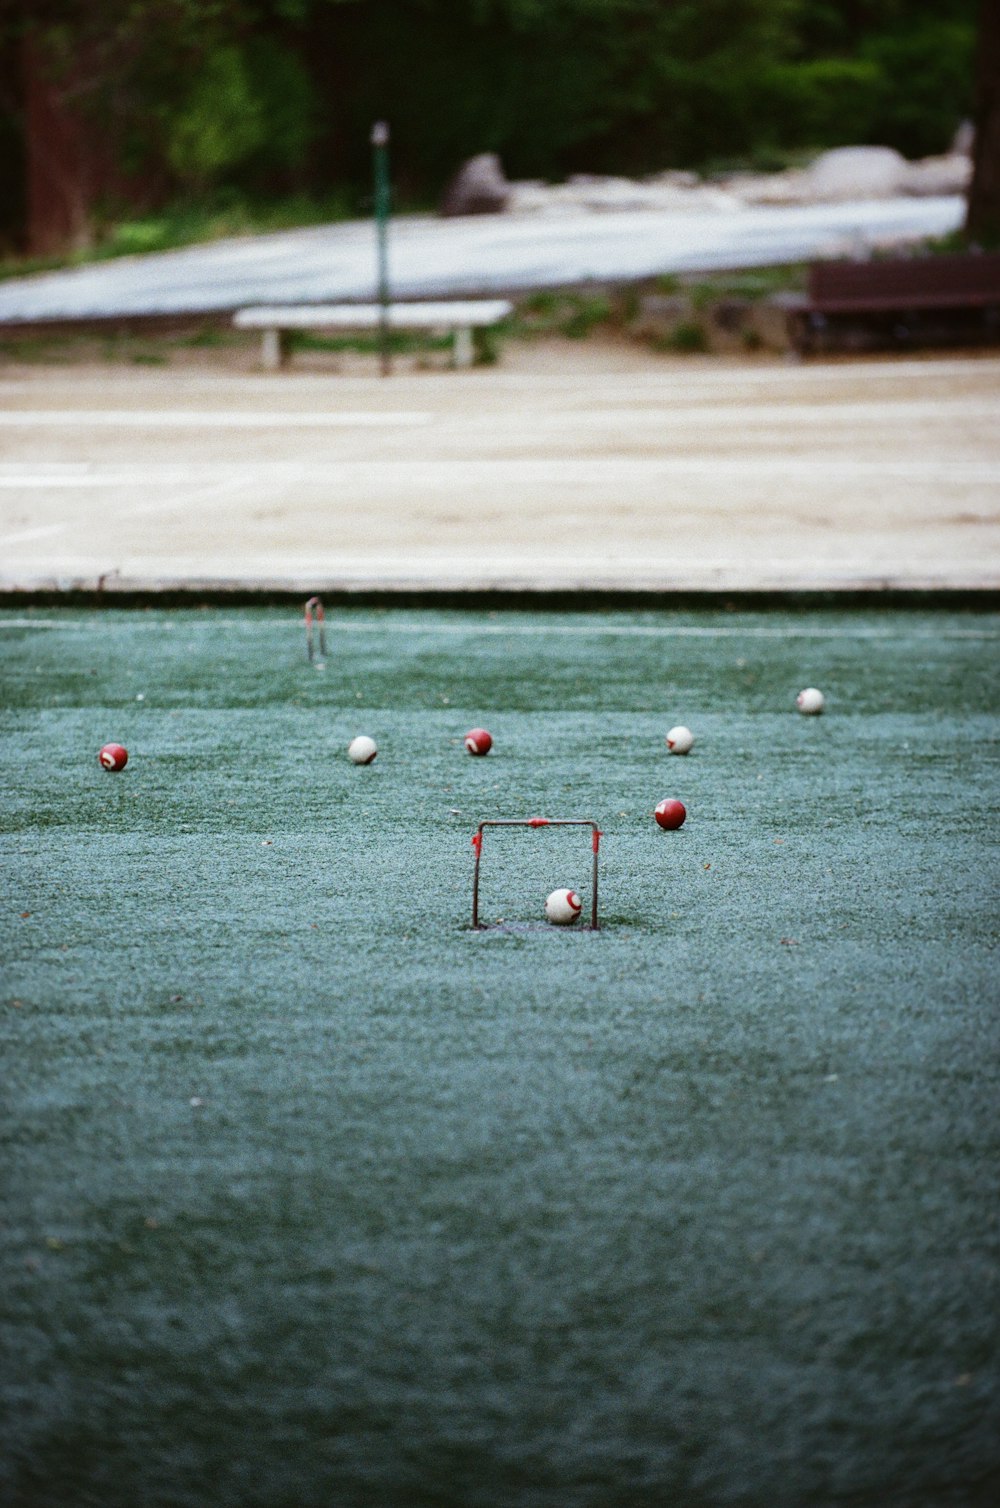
(27, 536)
(215, 489)
(129, 418)
(798, 374)
(942, 468)
(635, 413)
(872, 411)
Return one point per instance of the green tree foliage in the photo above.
(614, 85)
(245, 105)
(220, 123)
(828, 101)
(556, 86)
(201, 88)
(264, 96)
(924, 71)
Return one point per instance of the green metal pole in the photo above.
(380, 148)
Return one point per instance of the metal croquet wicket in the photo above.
(595, 843)
(314, 605)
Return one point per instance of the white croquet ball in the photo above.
(362, 749)
(562, 907)
(810, 701)
(680, 740)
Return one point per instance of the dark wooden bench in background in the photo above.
(897, 301)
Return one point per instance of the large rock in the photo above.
(587, 193)
(478, 188)
(842, 174)
(858, 173)
(793, 186)
(964, 140)
(939, 175)
(660, 313)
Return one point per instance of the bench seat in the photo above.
(899, 291)
(453, 316)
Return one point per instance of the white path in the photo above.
(489, 254)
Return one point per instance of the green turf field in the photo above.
(314, 1197)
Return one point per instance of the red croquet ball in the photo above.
(113, 757)
(478, 741)
(670, 814)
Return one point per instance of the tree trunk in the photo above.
(57, 189)
(982, 222)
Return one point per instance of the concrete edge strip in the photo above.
(980, 593)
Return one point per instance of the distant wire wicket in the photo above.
(314, 610)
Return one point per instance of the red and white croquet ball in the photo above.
(562, 907)
(362, 750)
(478, 741)
(670, 814)
(810, 702)
(112, 757)
(680, 740)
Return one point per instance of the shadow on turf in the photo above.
(508, 928)
(505, 928)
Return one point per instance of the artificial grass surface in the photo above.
(312, 1196)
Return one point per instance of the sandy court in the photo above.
(579, 466)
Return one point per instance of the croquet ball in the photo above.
(670, 814)
(810, 701)
(362, 749)
(562, 907)
(112, 757)
(478, 741)
(680, 740)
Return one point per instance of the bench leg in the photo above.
(272, 350)
(462, 349)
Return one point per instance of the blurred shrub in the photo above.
(927, 84)
(187, 99)
(248, 105)
(825, 102)
(588, 313)
(687, 338)
(562, 312)
(220, 122)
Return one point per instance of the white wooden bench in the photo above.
(453, 317)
